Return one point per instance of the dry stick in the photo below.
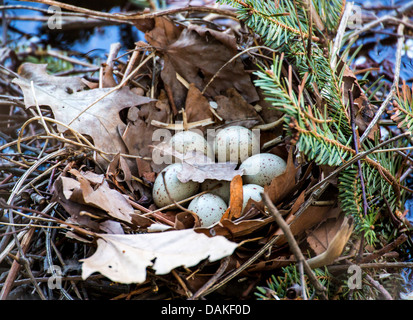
(302, 280)
(16, 265)
(113, 53)
(395, 84)
(182, 283)
(379, 287)
(389, 247)
(375, 265)
(22, 248)
(46, 11)
(136, 16)
(320, 289)
(340, 33)
(363, 187)
(55, 54)
(132, 61)
(212, 280)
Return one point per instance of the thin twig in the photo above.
(356, 148)
(212, 280)
(389, 247)
(232, 59)
(390, 96)
(136, 16)
(294, 246)
(379, 287)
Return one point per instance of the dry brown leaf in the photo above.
(234, 229)
(233, 107)
(320, 238)
(363, 111)
(120, 172)
(67, 98)
(197, 106)
(335, 247)
(306, 220)
(282, 185)
(99, 196)
(236, 198)
(124, 258)
(137, 136)
(62, 189)
(196, 54)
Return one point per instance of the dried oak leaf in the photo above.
(233, 107)
(196, 54)
(197, 106)
(363, 111)
(306, 220)
(321, 237)
(138, 134)
(62, 189)
(85, 191)
(124, 258)
(68, 98)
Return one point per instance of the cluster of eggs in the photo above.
(233, 144)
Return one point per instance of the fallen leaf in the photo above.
(236, 199)
(196, 54)
(138, 134)
(120, 172)
(197, 106)
(99, 196)
(67, 98)
(233, 107)
(235, 229)
(62, 189)
(196, 166)
(124, 258)
(306, 220)
(283, 184)
(363, 111)
(320, 238)
(335, 248)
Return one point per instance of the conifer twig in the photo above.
(361, 155)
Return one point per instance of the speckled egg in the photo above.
(186, 141)
(176, 188)
(262, 168)
(223, 191)
(233, 144)
(209, 207)
(251, 191)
